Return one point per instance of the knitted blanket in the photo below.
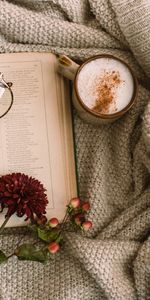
(113, 161)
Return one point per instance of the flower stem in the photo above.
(4, 223)
(10, 255)
(63, 222)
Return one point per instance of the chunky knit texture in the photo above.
(113, 261)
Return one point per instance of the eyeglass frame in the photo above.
(6, 85)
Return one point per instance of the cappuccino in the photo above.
(105, 85)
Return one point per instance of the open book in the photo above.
(36, 135)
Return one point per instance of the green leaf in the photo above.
(30, 252)
(3, 257)
(34, 229)
(47, 235)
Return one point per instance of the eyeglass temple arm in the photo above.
(8, 85)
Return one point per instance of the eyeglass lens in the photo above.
(5, 99)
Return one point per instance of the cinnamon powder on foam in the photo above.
(105, 91)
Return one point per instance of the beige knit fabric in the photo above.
(113, 261)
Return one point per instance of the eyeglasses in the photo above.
(6, 96)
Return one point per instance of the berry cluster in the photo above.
(76, 216)
(48, 234)
(77, 211)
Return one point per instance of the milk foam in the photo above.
(92, 71)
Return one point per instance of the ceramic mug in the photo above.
(72, 71)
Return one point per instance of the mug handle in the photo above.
(67, 67)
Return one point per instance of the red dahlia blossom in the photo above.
(22, 195)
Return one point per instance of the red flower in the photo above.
(22, 195)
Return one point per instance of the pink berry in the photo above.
(41, 221)
(85, 206)
(79, 218)
(87, 225)
(75, 202)
(53, 222)
(53, 247)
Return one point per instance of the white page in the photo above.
(32, 134)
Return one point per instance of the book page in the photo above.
(36, 135)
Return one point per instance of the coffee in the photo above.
(105, 85)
